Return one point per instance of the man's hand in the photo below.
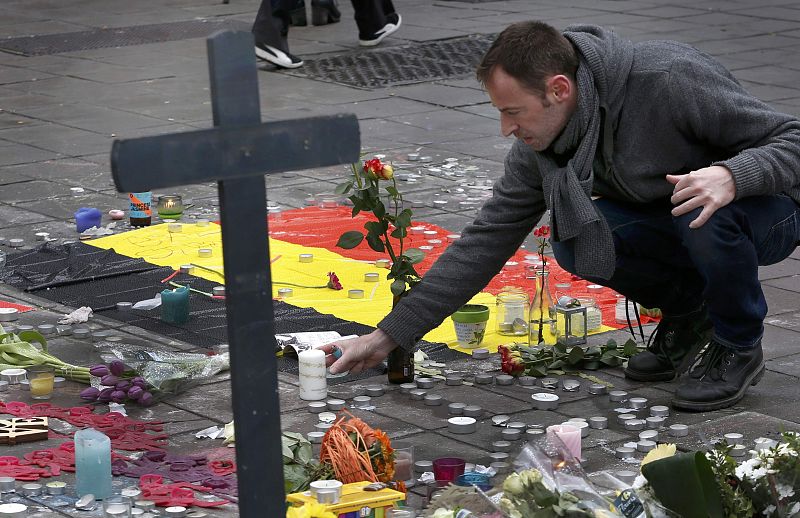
(711, 188)
(360, 353)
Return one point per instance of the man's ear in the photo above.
(560, 88)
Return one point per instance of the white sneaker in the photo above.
(277, 57)
(394, 23)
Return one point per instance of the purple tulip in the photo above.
(139, 382)
(99, 371)
(90, 394)
(118, 396)
(146, 399)
(109, 380)
(135, 392)
(116, 367)
(105, 395)
(123, 385)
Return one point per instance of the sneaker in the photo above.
(672, 347)
(277, 57)
(393, 23)
(720, 379)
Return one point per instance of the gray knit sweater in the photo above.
(682, 111)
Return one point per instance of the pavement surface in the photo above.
(100, 70)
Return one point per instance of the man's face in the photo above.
(534, 119)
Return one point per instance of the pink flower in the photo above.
(333, 282)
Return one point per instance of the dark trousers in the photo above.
(271, 26)
(663, 263)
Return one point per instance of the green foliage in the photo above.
(350, 239)
(299, 466)
(542, 361)
(735, 501)
(685, 483)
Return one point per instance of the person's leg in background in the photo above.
(270, 31)
(376, 19)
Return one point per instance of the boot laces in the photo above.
(661, 339)
(713, 361)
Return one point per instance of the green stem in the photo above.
(355, 168)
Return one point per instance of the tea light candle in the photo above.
(461, 424)
(645, 446)
(131, 492)
(315, 437)
(456, 408)
(533, 433)
(738, 450)
(285, 292)
(361, 400)
(375, 390)
(550, 383)
(355, 294)
(145, 505)
(625, 476)
(634, 424)
(175, 511)
(526, 381)
(315, 407)
(500, 419)
(81, 333)
(622, 418)
(659, 411)
(124, 306)
(453, 237)
(504, 379)
(306, 258)
(312, 372)
(42, 236)
(169, 206)
(637, 402)
(417, 230)
(763, 443)
(596, 388)
(46, 329)
(583, 426)
(14, 510)
(623, 452)
(425, 248)
(417, 394)
(7, 484)
(429, 233)
(734, 438)
(654, 423)
(435, 242)
(425, 383)
(453, 380)
(498, 456)
(174, 227)
(617, 396)
(483, 379)
(679, 430)
(545, 401)
(501, 446)
(201, 222)
(371, 277)
(412, 157)
(334, 405)
(648, 435)
(421, 466)
(519, 425)
(598, 423)
(13, 376)
(204, 252)
(405, 388)
(500, 467)
(511, 434)
(323, 427)
(186, 268)
(18, 242)
(569, 435)
(381, 263)
(8, 314)
(473, 411)
(31, 489)
(570, 385)
(433, 400)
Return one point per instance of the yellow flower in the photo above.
(662, 451)
(309, 510)
(388, 172)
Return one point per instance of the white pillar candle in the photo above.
(569, 435)
(313, 383)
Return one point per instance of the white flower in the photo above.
(639, 482)
(784, 490)
(768, 510)
(745, 469)
(795, 509)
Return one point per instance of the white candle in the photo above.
(313, 383)
(569, 435)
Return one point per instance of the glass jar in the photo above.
(512, 312)
(594, 317)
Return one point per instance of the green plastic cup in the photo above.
(470, 324)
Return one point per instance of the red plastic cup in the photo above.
(447, 469)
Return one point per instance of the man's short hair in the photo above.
(530, 52)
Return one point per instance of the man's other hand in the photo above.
(711, 188)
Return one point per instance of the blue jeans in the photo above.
(662, 263)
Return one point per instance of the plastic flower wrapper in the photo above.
(551, 482)
(165, 372)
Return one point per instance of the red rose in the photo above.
(333, 282)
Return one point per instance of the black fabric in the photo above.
(77, 267)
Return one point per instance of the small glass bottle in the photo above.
(512, 311)
(542, 316)
(141, 212)
(400, 365)
(594, 317)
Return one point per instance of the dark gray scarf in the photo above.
(605, 60)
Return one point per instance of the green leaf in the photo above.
(560, 347)
(630, 348)
(392, 190)
(343, 188)
(33, 336)
(379, 210)
(398, 286)
(356, 209)
(304, 453)
(350, 239)
(575, 356)
(414, 255)
(376, 227)
(288, 456)
(685, 483)
(539, 372)
(611, 344)
(404, 218)
(294, 476)
(375, 242)
(399, 232)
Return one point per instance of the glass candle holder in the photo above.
(447, 469)
(41, 378)
(403, 461)
(170, 206)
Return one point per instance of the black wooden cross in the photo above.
(236, 153)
